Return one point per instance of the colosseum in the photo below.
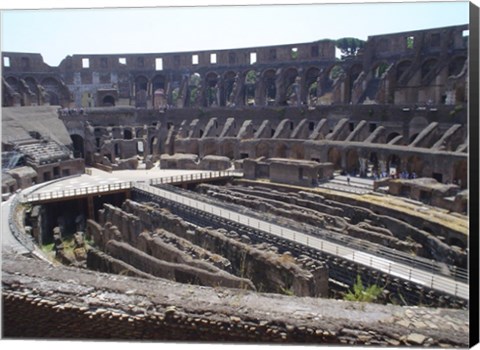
(266, 194)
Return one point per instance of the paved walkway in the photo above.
(99, 178)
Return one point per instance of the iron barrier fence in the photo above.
(417, 276)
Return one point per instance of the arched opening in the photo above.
(127, 134)
(78, 146)
(108, 101)
(213, 90)
(414, 167)
(13, 82)
(402, 67)
(158, 82)
(461, 173)
(195, 90)
(311, 77)
(280, 150)
(32, 84)
(456, 65)
(391, 136)
(372, 166)
(53, 99)
(428, 66)
(262, 150)
(229, 86)
(412, 138)
(269, 78)
(393, 164)
(297, 151)
(250, 81)
(334, 156)
(54, 90)
(139, 132)
(380, 69)
(352, 162)
(336, 72)
(292, 84)
(141, 91)
(229, 150)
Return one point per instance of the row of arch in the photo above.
(271, 86)
(46, 90)
(354, 160)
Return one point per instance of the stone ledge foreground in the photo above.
(63, 302)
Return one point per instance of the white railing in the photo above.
(417, 276)
(82, 191)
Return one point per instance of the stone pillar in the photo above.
(363, 166)
(382, 165)
(90, 208)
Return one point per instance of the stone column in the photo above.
(382, 166)
(363, 166)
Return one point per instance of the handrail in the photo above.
(428, 279)
(420, 262)
(35, 197)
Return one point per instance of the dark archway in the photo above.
(352, 161)
(127, 134)
(262, 150)
(402, 67)
(280, 150)
(455, 66)
(250, 83)
(428, 66)
(461, 173)
(108, 101)
(391, 136)
(227, 94)
(393, 163)
(78, 146)
(269, 78)
(213, 89)
(334, 156)
(141, 91)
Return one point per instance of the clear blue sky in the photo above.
(56, 33)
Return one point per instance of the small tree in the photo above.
(360, 293)
(349, 46)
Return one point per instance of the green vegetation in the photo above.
(48, 248)
(251, 77)
(410, 41)
(336, 72)
(287, 291)
(349, 46)
(361, 293)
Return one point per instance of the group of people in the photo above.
(71, 111)
(402, 175)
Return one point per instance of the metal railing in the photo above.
(81, 191)
(43, 196)
(353, 242)
(195, 176)
(417, 276)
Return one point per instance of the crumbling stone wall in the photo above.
(103, 306)
(267, 270)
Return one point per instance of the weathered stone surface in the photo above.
(416, 338)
